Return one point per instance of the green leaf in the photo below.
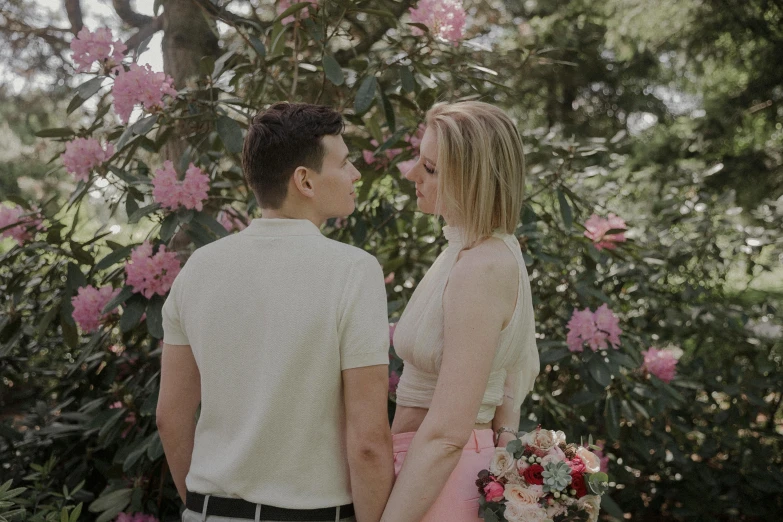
(144, 125)
(56, 132)
(156, 6)
(210, 223)
(550, 356)
(207, 65)
(377, 12)
(132, 311)
(291, 10)
(258, 46)
(168, 227)
(599, 371)
(64, 514)
(77, 511)
(230, 134)
(120, 497)
(611, 507)
(131, 205)
(155, 317)
(333, 71)
(76, 278)
(388, 110)
(612, 418)
(119, 299)
(155, 448)
(365, 95)
(565, 209)
(113, 257)
(143, 211)
(90, 87)
(407, 79)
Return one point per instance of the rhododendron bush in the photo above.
(637, 343)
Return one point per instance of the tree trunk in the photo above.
(187, 37)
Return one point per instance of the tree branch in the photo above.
(129, 16)
(74, 10)
(145, 32)
(227, 16)
(373, 37)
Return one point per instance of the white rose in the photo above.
(559, 437)
(525, 513)
(556, 455)
(543, 440)
(590, 504)
(520, 495)
(591, 461)
(502, 463)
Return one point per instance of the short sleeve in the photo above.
(364, 324)
(173, 332)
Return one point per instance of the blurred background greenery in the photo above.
(667, 113)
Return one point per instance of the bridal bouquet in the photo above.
(541, 478)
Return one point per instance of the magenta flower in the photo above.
(89, 47)
(282, 5)
(597, 228)
(150, 274)
(230, 220)
(381, 162)
(394, 381)
(661, 363)
(415, 138)
(445, 18)
(140, 85)
(593, 329)
(88, 306)
(83, 154)
(25, 223)
(171, 193)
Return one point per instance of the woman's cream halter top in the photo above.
(418, 337)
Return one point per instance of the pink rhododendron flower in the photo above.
(136, 517)
(88, 306)
(389, 278)
(445, 18)
(415, 138)
(230, 220)
(25, 225)
(140, 85)
(594, 329)
(171, 193)
(89, 47)
(597, 228)
(381, 162)
(406, 166)
(661, 363)
(604, 459)
(83, 154)
(282, 5)
(150, 274)
(394, 381)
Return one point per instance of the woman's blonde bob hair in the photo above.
(481, 168)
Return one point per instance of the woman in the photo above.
(467, 335)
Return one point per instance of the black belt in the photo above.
(238, 508)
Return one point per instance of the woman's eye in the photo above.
(429, 169)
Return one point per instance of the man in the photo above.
(281, 336)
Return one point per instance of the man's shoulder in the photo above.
(344, 251)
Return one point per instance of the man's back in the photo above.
(273, 315)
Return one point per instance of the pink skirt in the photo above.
(458, 501)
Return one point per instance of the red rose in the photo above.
(578, 483)
(532, 474)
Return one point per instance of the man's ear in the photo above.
(303, 181)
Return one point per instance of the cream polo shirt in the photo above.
(273, 315)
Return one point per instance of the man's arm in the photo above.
(180, 395)
(370, 459)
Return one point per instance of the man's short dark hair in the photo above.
(282, 138)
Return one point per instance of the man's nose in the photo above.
(356, 174)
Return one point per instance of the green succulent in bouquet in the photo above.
(557, 475)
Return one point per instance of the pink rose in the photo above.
(577, 466)
(493, 491)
